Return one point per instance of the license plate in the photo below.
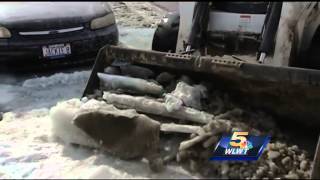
(56, 50)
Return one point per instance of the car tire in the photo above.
(166, 34)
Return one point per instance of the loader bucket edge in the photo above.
(99, 64)
(289, 92)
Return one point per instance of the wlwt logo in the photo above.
(240, 146)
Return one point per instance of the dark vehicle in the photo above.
(54, 32)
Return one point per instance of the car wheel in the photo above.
(166, 34)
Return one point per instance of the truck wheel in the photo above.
(312, 58)
(166, 34)
(242, 7)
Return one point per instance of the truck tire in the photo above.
(166, 34)
(242, 7)
(313, 60)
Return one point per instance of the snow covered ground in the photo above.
(28, 150)
(27, 147)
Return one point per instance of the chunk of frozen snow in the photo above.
(61, 117)
(187, 95)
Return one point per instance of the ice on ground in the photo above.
(43, 91)
(6, 93)
(58, 78)
(27, 150)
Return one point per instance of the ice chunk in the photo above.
(172, 103)
(190, 96)
(61, 117)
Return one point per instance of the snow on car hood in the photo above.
(44, 15)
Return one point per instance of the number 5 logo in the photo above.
(238, 139)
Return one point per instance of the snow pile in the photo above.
(6, 95)
(43, 91)
(59, 78)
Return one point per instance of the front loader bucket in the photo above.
(287, 92)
